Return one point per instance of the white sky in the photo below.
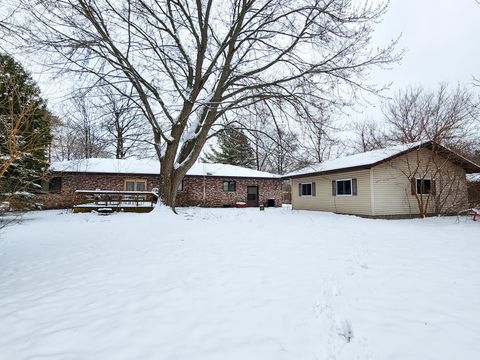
(441, 39)
(442, 43)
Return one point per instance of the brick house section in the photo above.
(197, 190)
(208, 191)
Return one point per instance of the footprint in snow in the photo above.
(345, 331)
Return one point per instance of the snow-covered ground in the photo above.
(239, 284)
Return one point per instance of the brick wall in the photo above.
(194, 188)
(215, 196)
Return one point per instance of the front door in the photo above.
(252, 196)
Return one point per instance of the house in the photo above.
(473, 182)
(397, 181)
(210, 185)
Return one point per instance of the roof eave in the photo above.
(328, 172)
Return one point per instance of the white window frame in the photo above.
(135, 181)
(351, 187)
(311, 189)
(423, 179)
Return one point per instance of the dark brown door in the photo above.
(252, 196)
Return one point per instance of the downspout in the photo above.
(204, 185)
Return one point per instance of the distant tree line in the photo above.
(100, 123)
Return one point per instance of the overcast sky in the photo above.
(442, 43)
(441, 39)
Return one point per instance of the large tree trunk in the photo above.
(166, 176)
(170, 177)
(170, 180)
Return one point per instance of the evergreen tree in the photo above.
(233, 148)
(25, 126)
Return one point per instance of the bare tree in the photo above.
(276, 145)
(82, 132)
(6, 14)
(258, 130)
(447, 117)
(85, 122)
(125, 128)
(65, 142)
(191, 62)
(319, 140)
(100, 123)
(282, 157)
(368, 136)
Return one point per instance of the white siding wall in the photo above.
(324, 201)
(392, 191)
(386, 189)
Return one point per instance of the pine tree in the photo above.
(233, 148)
(25, 125)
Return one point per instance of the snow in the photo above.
(116, 192)
(361, 159)
(239, 284)
(19, 193)
(473, 177)
(115, 204)
(150, 166)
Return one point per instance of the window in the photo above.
(344, 187)
(229, 185)
(306, 189)
(135, 185)
(424, 186)
(55, 185)
(129, 185)
(180, 186)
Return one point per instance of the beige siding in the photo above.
(392, 191)
(324, 201)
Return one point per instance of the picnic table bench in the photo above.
(127, 201)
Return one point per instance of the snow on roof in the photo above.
(150, 166)
(362, 159)
(473, 177)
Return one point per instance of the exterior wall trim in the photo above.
(372, 192)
